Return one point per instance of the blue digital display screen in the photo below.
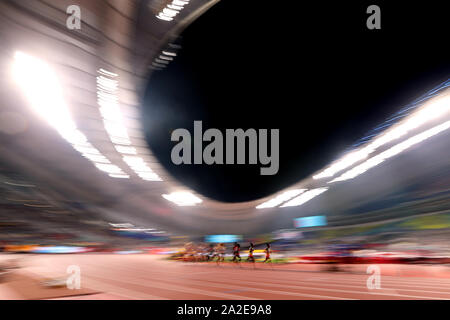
(222, 238)
(313, 221)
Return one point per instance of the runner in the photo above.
(220, 252)
(250, 257)
(268, 251)
(236, 250)
(250, 253)
(211, 253)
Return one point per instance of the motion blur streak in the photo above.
(374, 161)
(182, 198)
(305, 197)
(432, 110)
(44, 93)
(108, 100)
(280, 198)
(43, 90)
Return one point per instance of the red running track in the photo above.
(144, 276)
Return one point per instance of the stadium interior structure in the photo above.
(82, 169)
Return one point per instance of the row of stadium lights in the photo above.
(130, 227)
(180, 198)
(436, 108)
(107, 87)
(44, 93)
(108, 100)
(166, 56)
(169, 12)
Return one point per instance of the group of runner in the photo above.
(203, 252)
(251, 249)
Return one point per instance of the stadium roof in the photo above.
(91, 159)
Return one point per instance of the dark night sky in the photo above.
(312, 70)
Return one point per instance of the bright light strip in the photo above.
(163, 17)
(285, 196)
(165, 58)
(120, 176)
(434, 109)
(305, 197)
(149, 176)
(393, 151)
(109, 168)
(86, 149)
(43, 90)
(108, 99)
(169, 53)
(126, 149)
(180, 2)
(182, 198)
(159, 61)
(171, 10)
(133, 161)
(96, 158)
(174, 7)
(107, 73)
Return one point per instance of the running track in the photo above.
(143, 276)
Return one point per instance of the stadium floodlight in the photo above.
(285, 196)
(149, 176)
(169, 53)
(159, 65)
(170, 12)
(109, 168)
(86, 149)
(96, 158)
(393, 151)
(174, 7)
(133, 160)
(434, 109)
(73, 136)
(180, 2)
(163, 17)
(159, 61)
(182, 198)
(305, 197)
(343, 163)
(107, 73)
(118, 175)
(111, 114)
(44, 92)
(108, 100)
(165, 58)
(115, 129)
(141, 168)
(120, 140)
(126, 149)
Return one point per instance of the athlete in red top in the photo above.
(250, 253)
(267, 250)
(236, 250)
